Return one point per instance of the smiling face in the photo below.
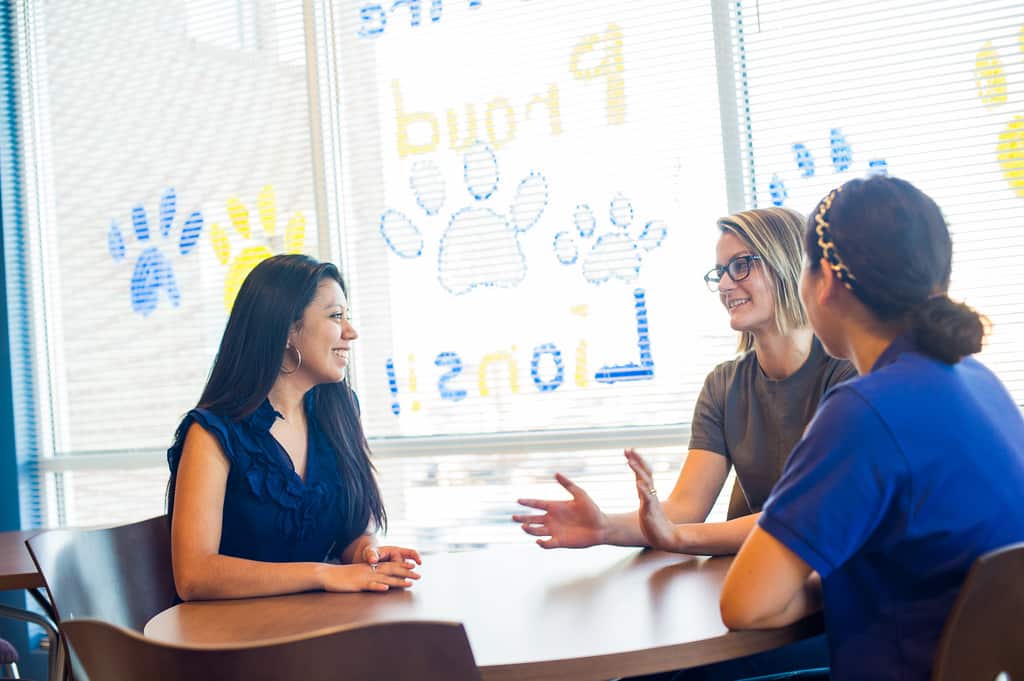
(324, 336)
(750, 301)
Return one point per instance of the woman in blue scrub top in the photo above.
(907, 473)
(272, 490)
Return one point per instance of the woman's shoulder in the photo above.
(726, 372)
(222, 428)
(729, 367)
(206, 419)
(215, 423)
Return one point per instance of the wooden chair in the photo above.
(426, 651)
(984, 634)
(120, 574)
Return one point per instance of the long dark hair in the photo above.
(270, 302)
(893, 243)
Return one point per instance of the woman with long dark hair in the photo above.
(907, 473)
(271, 489)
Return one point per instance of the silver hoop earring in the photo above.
(298, 363)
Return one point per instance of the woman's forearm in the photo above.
(218, 576)
(624, 528)
(715, 539)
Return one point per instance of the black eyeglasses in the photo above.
(738, 269)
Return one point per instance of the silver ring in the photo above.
(653, 491)
(373, 566)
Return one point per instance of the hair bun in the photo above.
(946, 329)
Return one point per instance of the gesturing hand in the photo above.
(576, 523)
(658, 530)
(367, 577)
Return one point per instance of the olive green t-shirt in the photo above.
(755, 421)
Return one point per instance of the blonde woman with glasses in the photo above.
(751, 411)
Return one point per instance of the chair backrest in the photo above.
(426, 651)
(984, 635)
(120, 574)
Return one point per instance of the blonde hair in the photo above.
(776, 235)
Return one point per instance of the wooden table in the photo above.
(598, 613)
(18, 571)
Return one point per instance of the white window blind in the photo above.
(566, 317)
(932, 92)
(169, 151)
(529, 195)
(522, 196)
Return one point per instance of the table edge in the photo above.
(22, 580)
(31, 579)
(731, 645)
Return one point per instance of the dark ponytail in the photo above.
(947, 330)
(889, 244)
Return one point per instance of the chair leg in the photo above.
(56, 657)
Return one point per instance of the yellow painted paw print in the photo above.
(255, 248)
(990, 78)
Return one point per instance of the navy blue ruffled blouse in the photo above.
(270, 513)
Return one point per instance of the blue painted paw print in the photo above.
(153, 270)
(841, 155)
(615, 254)
(480, 247)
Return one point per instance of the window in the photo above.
(523, 189)
(167, 150)
(928, 91)
(522, 196)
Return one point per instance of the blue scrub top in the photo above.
(270, 513)
(904, 476)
